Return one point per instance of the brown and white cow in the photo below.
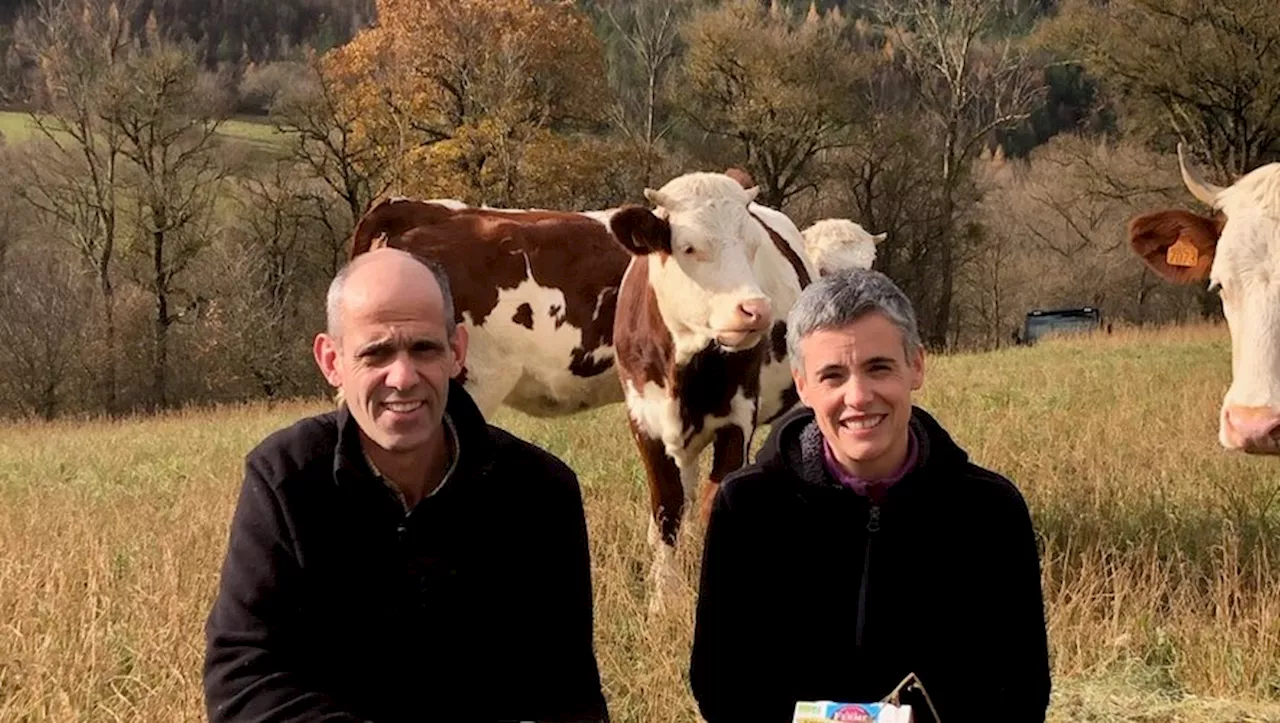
(701, 345)
(537, 290)
(1237, 249)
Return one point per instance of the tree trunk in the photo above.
(109, 331)
(160, 358)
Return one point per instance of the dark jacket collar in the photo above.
(474, 442)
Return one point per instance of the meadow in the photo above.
(17, 126)
(1160, 557)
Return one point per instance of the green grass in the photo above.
(1159, 552)
(17, 127)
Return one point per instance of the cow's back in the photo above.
(537, 290)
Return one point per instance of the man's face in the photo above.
(392, 357)
(858, 381)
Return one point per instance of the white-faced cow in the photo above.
(828, 245)
(537, 290)
(1237, 250)
(701, 345)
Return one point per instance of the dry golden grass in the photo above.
(1160, 561)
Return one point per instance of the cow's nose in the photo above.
(756, 313)
(1255, 430)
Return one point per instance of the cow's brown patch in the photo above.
(486, 250)
(666, 493)
(524, 316)
(778, 340)
(1151, 235)
(787, 252)
(642, 343)
(706, 384)
(640, 231)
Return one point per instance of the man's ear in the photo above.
(327, 351)
(459, 344)
(640, 231)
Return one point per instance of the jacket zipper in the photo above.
(873, 526)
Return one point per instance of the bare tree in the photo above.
(276, 270)
(167, 120)
(778, 92)
(324, 139)
(643, 42)
(74, 178)
(967, 88)
(44, 305)
(1204, 72)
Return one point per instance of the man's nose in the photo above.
(401, 372)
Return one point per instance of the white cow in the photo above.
(1237, 250)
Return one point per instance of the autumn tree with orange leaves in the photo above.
(468, 98)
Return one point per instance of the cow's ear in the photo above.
(877, 238)
(640, 231)
(1178, 245)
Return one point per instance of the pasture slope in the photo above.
(16, 126)
(1160, 550)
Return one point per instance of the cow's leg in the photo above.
(728, 454)
(666, 506)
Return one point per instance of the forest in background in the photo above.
(184, 174)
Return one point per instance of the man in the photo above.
(399, 559)
(863, 545)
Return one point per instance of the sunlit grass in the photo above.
(1160, 555)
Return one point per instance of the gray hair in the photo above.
(333, 301)
(841, 298)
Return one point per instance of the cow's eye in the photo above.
(688, 251)
(1215, 286)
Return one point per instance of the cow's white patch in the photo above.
(529, 368)
(775, 377)
(707, 280)
(1246, 265)
(450, 203)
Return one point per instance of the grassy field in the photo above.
(1161, 564)
(16, 126)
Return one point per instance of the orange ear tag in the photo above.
(1182, 253)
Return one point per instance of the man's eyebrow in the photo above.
(880, 360)
(379, 346)
(832, 367)
(374, 347)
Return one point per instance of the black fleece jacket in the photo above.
(811, 592)
(335, 606)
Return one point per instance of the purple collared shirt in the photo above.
(876, 488)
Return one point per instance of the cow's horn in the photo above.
(658, 198)
(1206, 192)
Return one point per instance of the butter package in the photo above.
(826, 711)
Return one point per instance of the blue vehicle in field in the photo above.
(1044, 322)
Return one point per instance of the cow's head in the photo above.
(1237, 250)
(836, 244)
(701, 244)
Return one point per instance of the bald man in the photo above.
(399, 558)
